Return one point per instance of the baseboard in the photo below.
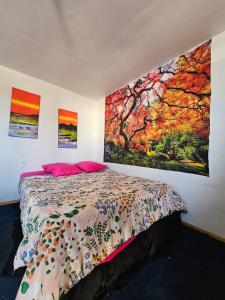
(7, 202)
(204, 231)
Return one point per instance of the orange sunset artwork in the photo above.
(67, 129)
(24, 114)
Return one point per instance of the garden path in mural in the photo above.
(162, 119)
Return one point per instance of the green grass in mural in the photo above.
(184, 152)
(137, 159)
(23, 119)
(68, 131)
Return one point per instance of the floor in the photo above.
(194, 268)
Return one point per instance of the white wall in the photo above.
(45, 148)
(204, 196)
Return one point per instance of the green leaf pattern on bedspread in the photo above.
(72, 223)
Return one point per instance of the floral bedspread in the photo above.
(72, 223)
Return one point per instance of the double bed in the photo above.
(76, 230)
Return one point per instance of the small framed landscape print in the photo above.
(67, 129)
(24, 114)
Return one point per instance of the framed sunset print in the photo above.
(24, 114)
(67, 129)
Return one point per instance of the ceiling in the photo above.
(94, 47)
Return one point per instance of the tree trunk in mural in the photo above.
(163, 115)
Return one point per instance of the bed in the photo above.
(73, 225)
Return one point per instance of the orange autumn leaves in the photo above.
(173, 98)
(187, 93)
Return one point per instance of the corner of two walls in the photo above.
(204, 196)
(36, 152)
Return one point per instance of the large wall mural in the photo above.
(162, 119)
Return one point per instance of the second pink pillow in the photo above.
(90, 166)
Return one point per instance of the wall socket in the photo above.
(22, 163)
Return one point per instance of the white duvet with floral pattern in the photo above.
(72, 223)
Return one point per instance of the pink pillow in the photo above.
(49, 167)
(33, 173)
(90, 166)
(67, 170)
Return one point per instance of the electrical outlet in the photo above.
(22, 163)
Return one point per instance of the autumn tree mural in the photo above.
(162, 119)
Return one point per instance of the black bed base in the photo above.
(116, 273)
